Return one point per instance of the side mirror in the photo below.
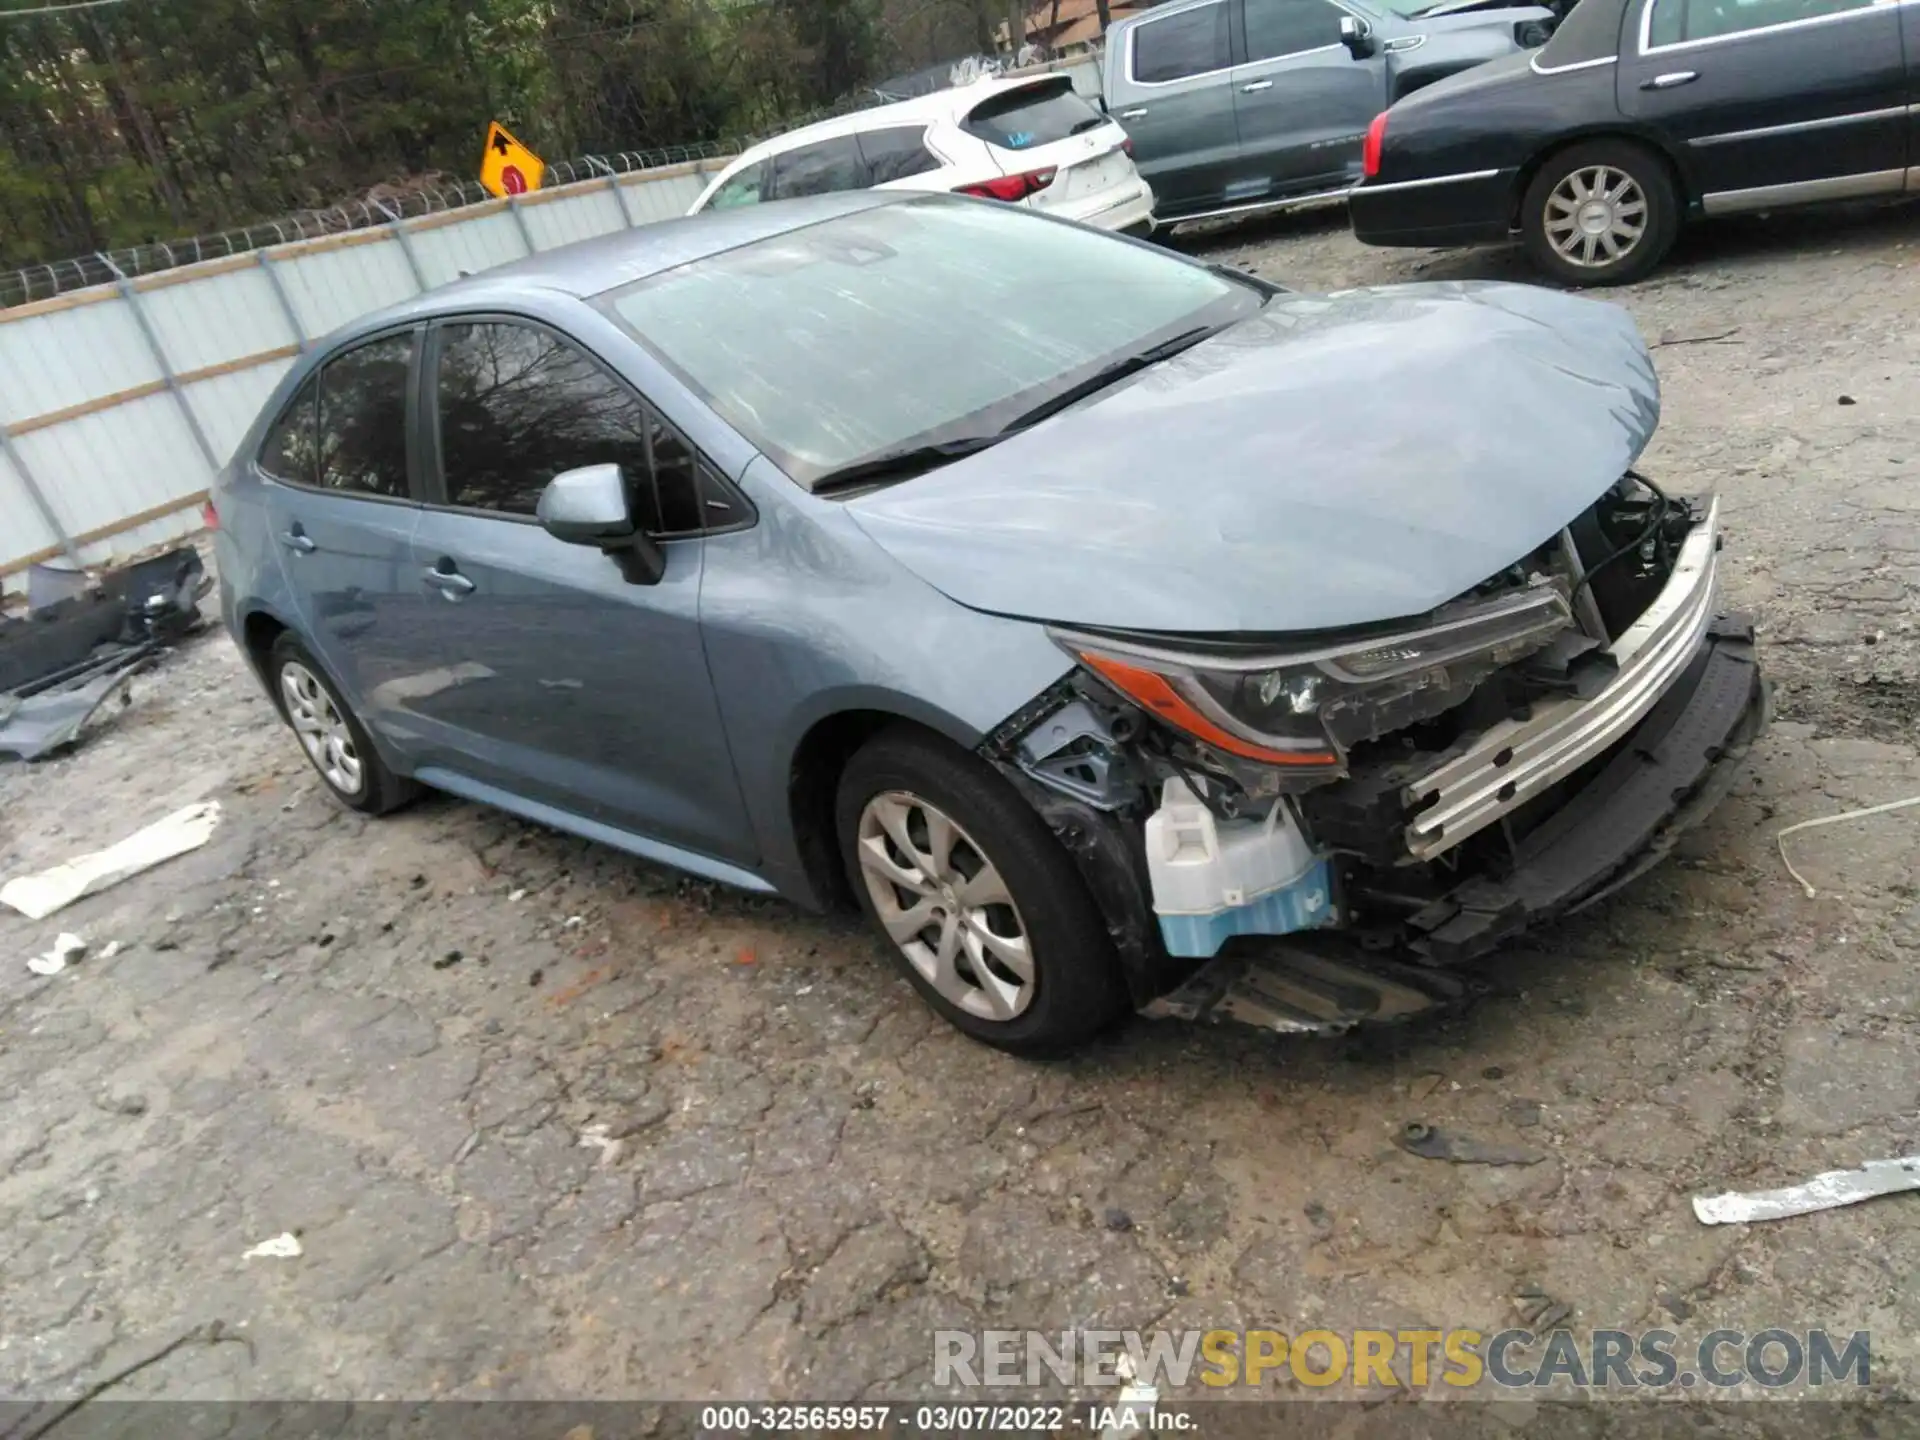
(1357, 36)
(588, 506)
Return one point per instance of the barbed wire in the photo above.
(383, 206)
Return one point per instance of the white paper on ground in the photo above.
(38, 896)
(1826, 1191)
(67, 947)
(280, 1247)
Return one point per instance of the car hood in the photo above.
(1334, 460)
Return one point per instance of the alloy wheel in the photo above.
(1596, 216)
(946, 905)
(322, 728)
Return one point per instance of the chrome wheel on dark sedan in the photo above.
(1596, 215)
(1603, 212)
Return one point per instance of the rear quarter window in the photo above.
(1033, 116)
(1590, 32)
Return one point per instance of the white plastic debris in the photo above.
(516, 897)
(66, 949)
(285, 1246)
(573, 922)
(38, 896)
(113, 948)
(1827, 1191)
(1781, 838)
(595, 1137)
(1133, 1413)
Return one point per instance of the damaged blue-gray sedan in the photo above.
(1120, 631)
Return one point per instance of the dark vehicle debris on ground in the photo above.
(60, 663)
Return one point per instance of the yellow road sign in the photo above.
(507, 167)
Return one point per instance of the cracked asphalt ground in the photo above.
(551, 1124)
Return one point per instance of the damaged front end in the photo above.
(1401, 799)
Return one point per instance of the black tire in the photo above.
(1076, 989)
(1660, 201)
(379, 790)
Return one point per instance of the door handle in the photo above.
(1133, 114)
(299, 541)
(1670, 80)
(450, 583)
(1250, 88)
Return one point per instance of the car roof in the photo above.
(607, 262)
(950, 104)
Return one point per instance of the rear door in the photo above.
(1044, 126)
(1177, 104)
(1301, 101)
(1777, 101)
(338, 471)
(543, 670)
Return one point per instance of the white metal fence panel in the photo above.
(56, 361)
(118, 404)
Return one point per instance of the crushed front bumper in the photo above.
(1666, 776)
(1510, 764)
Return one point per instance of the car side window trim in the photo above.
(1133, 40)
(1243, 45)
(433, 450)
(416, 474)
(1647, 47)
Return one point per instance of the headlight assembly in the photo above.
(1303, 709)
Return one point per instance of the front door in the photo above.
(550, 674)
(1176, 105)
(339, 496)
(1778, 102)
(1302, 102)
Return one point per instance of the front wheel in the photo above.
(1603, 213)
(983, 909)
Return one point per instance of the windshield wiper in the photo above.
(1092, 122)
(1110, 374)
(902, 464)
(915, 460)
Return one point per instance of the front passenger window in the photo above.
(1288, 27)
(742, 189)
(519, 406)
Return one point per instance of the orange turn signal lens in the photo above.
(1153, 691)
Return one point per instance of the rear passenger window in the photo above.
(290, 450)
(895, 153)
(1677, 21)
(1033, 115)
(363, 418)
(518, 406)
(822, 168)
(1287, 27)
(1190, 43)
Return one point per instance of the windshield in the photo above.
(912, 324)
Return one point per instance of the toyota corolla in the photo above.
(1121, 632)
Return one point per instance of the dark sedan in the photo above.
(1641, 114)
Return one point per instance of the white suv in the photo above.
(1031, 142)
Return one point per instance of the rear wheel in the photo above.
(982, 908)
(333, 739)
(1602, 213)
